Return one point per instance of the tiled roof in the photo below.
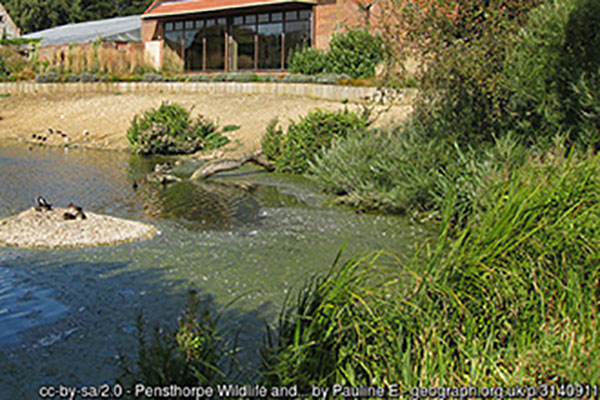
(182, 7)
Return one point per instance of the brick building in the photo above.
(235, 35)
(7, 26)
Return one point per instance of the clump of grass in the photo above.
(323, 335)
(402, 170)
(196, 353)
(510, 298)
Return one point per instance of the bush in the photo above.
(152, 77)
(298, 78)
(169, 130)
(403, 170)
(246, 76)
(553, 64)
(330, 79)
(355, 53)
(200, 78)
(307, 61)
(87, 77)
(13, 64)
(292, 151)
(48, 77)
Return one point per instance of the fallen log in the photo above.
(215, 166)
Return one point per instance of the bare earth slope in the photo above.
(106, 116)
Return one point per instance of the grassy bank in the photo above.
(508, 293)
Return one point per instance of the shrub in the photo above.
(330, 79)
(292, 151)
(12, 63)
(169, 130)
(307, 61)
(553, 64)
(48, 77)
(355, 53)
(200, 78)
(152, 77)
(87, 77)
(219, 78)
(246, 76)
(298, 78)
(403, 170)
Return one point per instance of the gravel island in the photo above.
(41, 228)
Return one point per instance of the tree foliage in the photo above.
(36, 15)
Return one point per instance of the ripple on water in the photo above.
(22, 306)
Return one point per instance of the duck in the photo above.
(68, 216)
(43, 204)
(76, 211)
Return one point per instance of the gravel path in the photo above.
(106, 116)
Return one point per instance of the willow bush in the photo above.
(169, 129)
(552, 73)
(292, 151)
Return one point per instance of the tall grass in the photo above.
(512, 298)
(405, 170)
(324, 335)
(197, 352)
(94, 58)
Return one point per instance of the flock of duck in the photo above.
(72, 212)
(56, 133)
(51, 132)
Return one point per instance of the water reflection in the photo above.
(23, 305)
(103, 182)
(212, 205)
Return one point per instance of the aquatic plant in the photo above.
(195, 353)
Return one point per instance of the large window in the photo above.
(215, 43)
(243, 46)
(194, 45)
(253, 41)
(269, 45)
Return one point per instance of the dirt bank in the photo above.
(106, 116)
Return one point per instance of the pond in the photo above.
(248, 237)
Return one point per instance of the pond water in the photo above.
(66, 314)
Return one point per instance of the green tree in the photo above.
(35, 15)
